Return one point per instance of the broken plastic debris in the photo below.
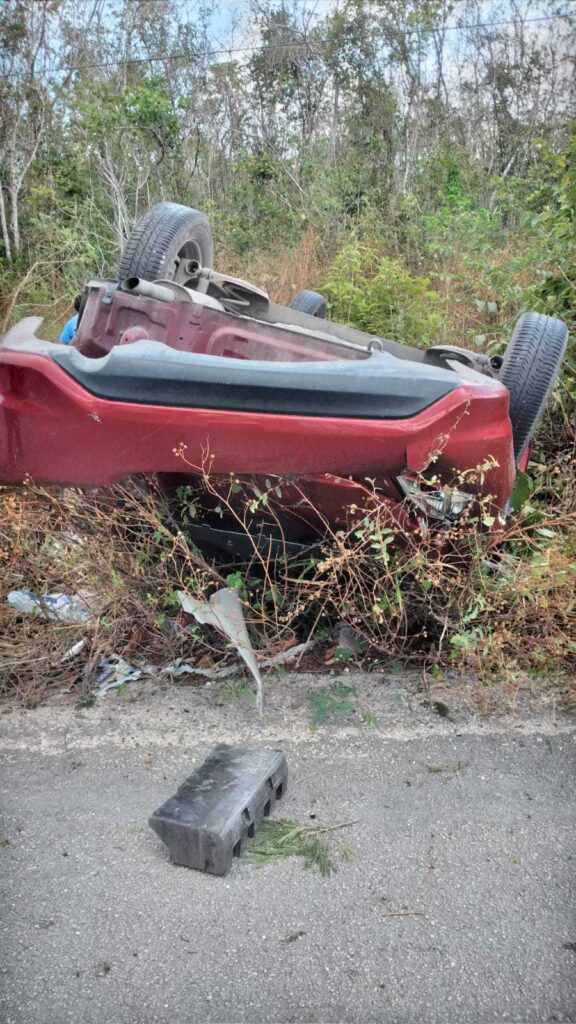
(114, 672)
(58, 547)
(74, 650)
(181, 668)
(60, 607)
(292, 652)
(226, 614)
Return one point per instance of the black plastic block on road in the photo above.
(221, 806)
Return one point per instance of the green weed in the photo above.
(316, 844)
(334, 700)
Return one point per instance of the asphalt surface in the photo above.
(459, 905)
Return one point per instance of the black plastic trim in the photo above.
(150, 373)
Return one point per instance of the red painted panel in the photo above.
(54, 431)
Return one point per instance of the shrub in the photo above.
(466, 598)
(379, 295)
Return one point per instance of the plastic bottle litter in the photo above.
(60, 607)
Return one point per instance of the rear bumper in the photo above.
(54, 431)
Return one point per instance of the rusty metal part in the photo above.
(149, 289)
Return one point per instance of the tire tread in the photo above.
(145, 252)
(529, 370)
(310, 302)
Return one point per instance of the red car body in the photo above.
(128, 399)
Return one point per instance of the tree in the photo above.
(26, 65)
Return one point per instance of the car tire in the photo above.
(310, 302)
(163, 239)
(529, 370)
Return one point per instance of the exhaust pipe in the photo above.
(149, 289)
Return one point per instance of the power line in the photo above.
(277, 46)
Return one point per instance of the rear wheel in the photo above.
(310, 302)
(529, 370)
(163, 242)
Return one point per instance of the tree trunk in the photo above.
(333, 145)
(14, 217)
(4, 223)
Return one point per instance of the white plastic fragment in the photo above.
(60, 607)
(226, 614)
(74, 650)
(292, 652)
(182, 668)
(114, 672)
(58, 547)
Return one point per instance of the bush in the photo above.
(379, 295)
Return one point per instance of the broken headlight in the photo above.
(437, 501)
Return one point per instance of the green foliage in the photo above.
(149, 106)
(255, 215)
(379, 295)
(447, 181)
(146, 106)
(453, 228)
(553, 250)
(555, 228)
(522, 490)
(279, 839)
(334, 700)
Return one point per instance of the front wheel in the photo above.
(529, 370)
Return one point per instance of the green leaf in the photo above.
(343, 654)
(235, 580)
(522, 490)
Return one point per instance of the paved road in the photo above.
(458, 907)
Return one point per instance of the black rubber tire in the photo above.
(310, 302)
(152, 249)
(529, 370)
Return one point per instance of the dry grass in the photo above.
(284, 272)
(37, 293)
(490, 604)
(111, 545)
(464, 595)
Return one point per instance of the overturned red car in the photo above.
(181, 371)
